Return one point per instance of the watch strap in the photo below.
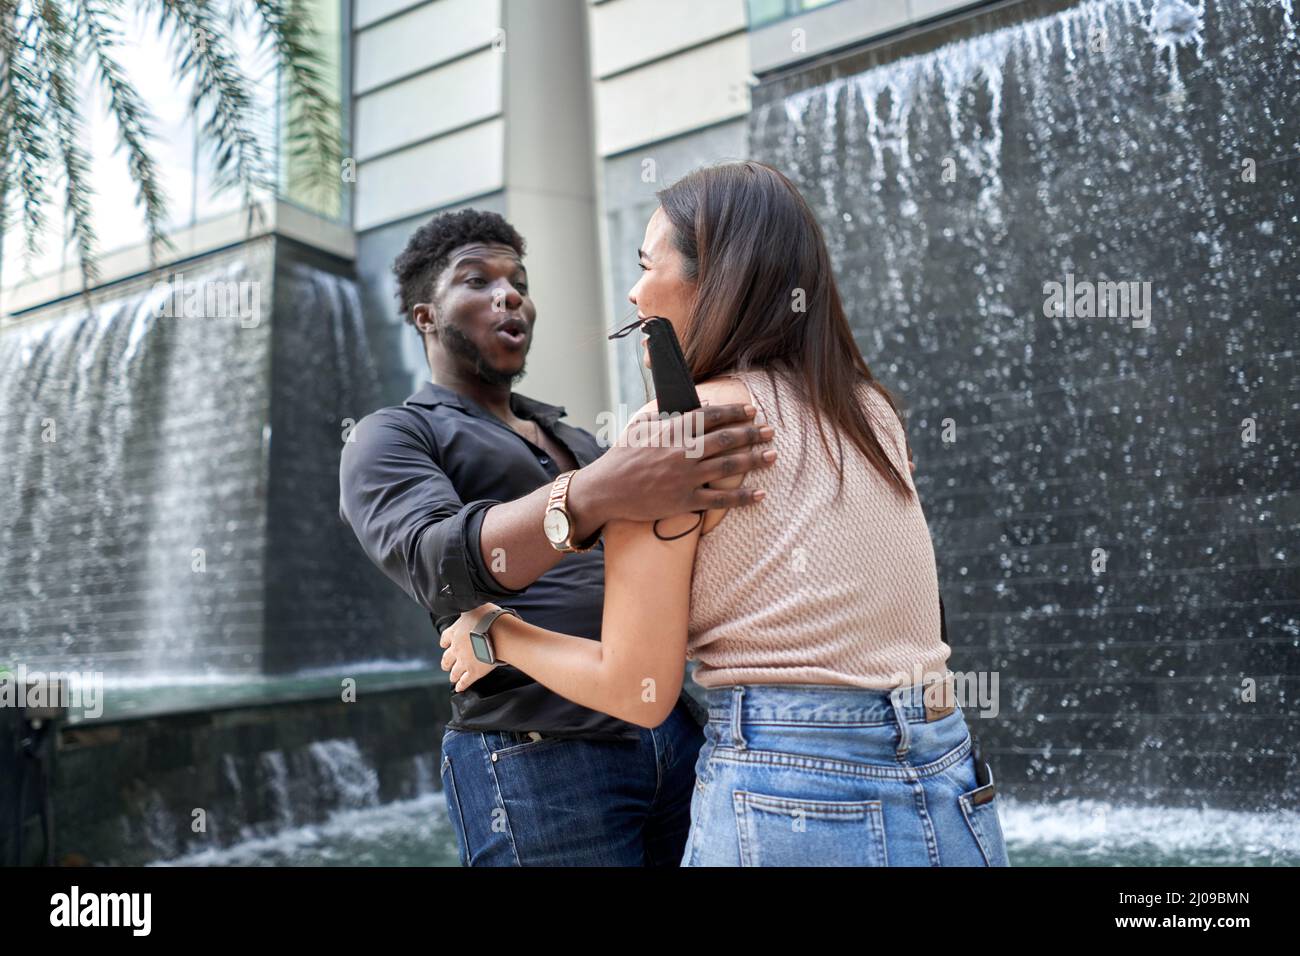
(559, 501)
(590, 542)
(483, 628)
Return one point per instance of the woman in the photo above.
(833, 735)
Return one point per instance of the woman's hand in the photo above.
(459, 657)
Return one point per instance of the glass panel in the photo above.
(765, 11)
(295, 182)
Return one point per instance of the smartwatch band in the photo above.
(480, 638)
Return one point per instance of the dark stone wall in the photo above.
(1110, 542)
(125, 791)
(326, 604)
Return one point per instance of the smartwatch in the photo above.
(479, 638)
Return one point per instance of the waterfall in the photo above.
(1108, 480)
(135, 481)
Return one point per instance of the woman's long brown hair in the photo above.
(756, 252)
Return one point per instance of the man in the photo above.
(448, 493)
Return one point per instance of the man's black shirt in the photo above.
(414, 482)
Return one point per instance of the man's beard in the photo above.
(458, 343)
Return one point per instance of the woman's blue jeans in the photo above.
(813, 775)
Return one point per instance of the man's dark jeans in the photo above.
(516, 801)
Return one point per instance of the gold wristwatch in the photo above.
(557, 523)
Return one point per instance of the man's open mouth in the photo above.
(514, 332)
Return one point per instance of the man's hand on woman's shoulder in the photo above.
(659, 466)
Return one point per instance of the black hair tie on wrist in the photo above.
(676, 536)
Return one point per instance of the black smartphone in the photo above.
(674, 387)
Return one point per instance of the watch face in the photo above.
(556, 525)
(480, 645)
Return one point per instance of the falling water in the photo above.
(1113, 497)
(140, 487)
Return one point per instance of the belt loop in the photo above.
(900, 714)
(737, 705)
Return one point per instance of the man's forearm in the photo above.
(516, 551)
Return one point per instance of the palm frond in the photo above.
(42, 46)
(219, 85)
(26, 139)
(131, 116)
(314, 139)
(55, 53)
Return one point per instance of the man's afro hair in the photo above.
(426, 253)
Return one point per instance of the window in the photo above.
(763, 12)
(294, 184)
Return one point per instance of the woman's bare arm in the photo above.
(635, 671)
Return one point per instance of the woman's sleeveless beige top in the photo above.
(808, 588)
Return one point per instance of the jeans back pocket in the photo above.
(785, 831)
(982, 818)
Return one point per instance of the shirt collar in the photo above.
(430, 395)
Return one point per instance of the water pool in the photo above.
(1069, 833)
